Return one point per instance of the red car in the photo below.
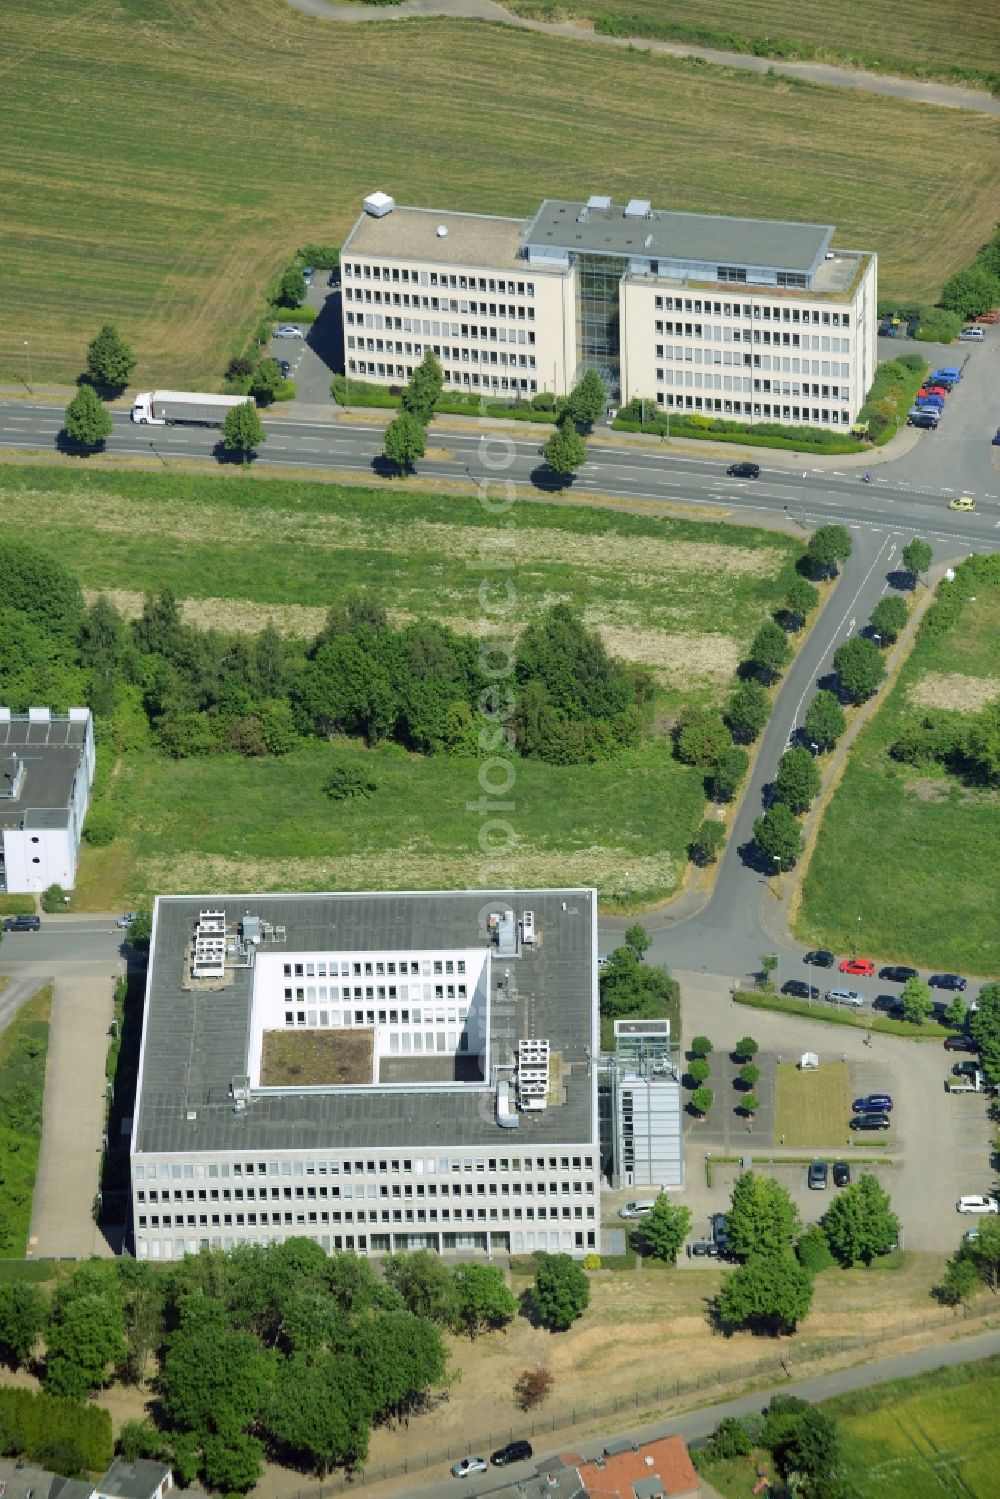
(932, 390)
(864, 966)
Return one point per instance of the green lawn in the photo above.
(23, 1049)
(913, 851)
(811, 1106)
(170, 218)
(956, 39)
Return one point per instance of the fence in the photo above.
(643, 1397)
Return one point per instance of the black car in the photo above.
(720, 1236)
(743, 471)
(841, 1174)
(22, 924)
(897, 975)
(704, 1249)
(889, 1004)
(965, 1069)
(820, 958)
(800, 990)
(948, 981)
(871, 1121)
(514, 1452)
(960, 1043)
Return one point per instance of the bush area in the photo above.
(892, 394)
(23, 1051)
(837, 1015)
(642, 416)
(350, 392)
(62, 1435)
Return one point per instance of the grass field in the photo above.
(23, 1049)
(913, 850)
(811, 1107)
(960, 35)
(169, 217)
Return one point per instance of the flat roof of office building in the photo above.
(662, 235)
(473, 239)
(51, 751)
(195, 1037)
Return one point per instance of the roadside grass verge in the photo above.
(811, 1107)
(17, 905)
(930, 1030)
(179, 253)
(913, 849)
(23, 1050)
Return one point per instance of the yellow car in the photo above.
(963, 502)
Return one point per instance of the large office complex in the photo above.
(744, 318)
(46, 767)
(372, 1071)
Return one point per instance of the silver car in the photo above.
(288, 330)
(845, 997)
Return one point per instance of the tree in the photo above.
(638, 939)
(859, 1223)
(762, 1217)
(483, 1300)
(532, 1387)
(778, 836)
(292, 287)
(916, 1001)
(746, 1046)
(985, 1028)
(565, 451)
(771, 1293)
(23, 1314)
(826, 547)
(824, 721)
(664, 1229)
(266, 379)
(701, 1046)
(971, 291)
(749, 1102)
(85, 1336)
(917, 556)
(813, 1250)
(242, 431)
(809, 1447)
(87, 420)
(769, 652)
(141, 931)
(213, 1380)
(317, 1412)
(698, 1070)
(859, 665)
(888, 618)
(405, 441)
(798, 779)
(750, 1075)
(954, 1015)
(768, 964)
(727, 773)
(984, 1252)
(425, 1283)
(426, 384)
(959, 1282)
(702, 1100)
(708, 842)
(702, 738)
(585, 402)
(801, 599)
(561, 1292)
(747, 710)
(110, 360)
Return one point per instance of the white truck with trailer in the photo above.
(162, 408)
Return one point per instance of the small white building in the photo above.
(46, 770)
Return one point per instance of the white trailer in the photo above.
(161, 408)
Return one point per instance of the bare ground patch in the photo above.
(233, 616)
(954, 691)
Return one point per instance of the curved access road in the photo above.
(915, 90)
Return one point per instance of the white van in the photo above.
(973, 335)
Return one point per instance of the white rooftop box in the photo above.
(379, 204)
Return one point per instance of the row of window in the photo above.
(373, 1215)
(373, 968)
(314, 992)
(715, 333)
(408, 1165)
(369, 298)
(500, 357)
(462, 282)
(830, 368)
(502, 384)
(519, 1242)
(349, 1191)
(824, 416)
(760, 312)
(431, 328)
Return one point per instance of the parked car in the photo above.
(288, 330)
(125, 920)
(978, 1205)
(719, 1225)
(818, 1174)
(965, 1069)
(962, 502)
(932, 390)
(871, 1121)
(820, 958)
(988, 317)
(514, 1452)
(334, 277)
(973, 335)
(469, 1465)
(845, 997)
(308, 272)
(953, 981)
(873, 1103)
(743, 471)
(22, 924)
(841, 1174)
(637, 1209)
(897, 974)
(797, 989)
(960, 1043)
(704, 1248)
(970, 1236)
(948, 372)
(863, 966)
(996, 438)
(888, 1004)
(926, 419)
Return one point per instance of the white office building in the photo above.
(749, 319)
(372, 1071)
(46, 769)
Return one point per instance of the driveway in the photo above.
(315, 358)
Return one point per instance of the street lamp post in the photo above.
(628, 887)
(27, 350)
(857, 936)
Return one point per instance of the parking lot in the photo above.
(314, 358)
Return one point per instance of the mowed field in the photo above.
(913, 850)
(929, 38)
(162, 162)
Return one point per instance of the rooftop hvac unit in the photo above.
(638, 208)
(599, 201)
(379, 204)
(251, 928)
(506, 1116)
(533, 1074)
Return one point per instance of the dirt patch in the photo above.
(952, 690)
(675, 659)
(316, 1059)
(232, 616)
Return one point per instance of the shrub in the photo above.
(323, 257)
(532, 1387)
(746, 1046)
(708, 841)
(813, 1251)
(101, 827)
(41, 1421)
(701, 1046)
(702, 738)
(727, 773)
(54, 898)
(239, 367)
(699, 1070)
(347, 781)
(702, 1100)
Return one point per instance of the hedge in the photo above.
(292, 315)
(322, 257)
(39, 1426)
(386, 397)
(814, 442)
(834, 1016)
